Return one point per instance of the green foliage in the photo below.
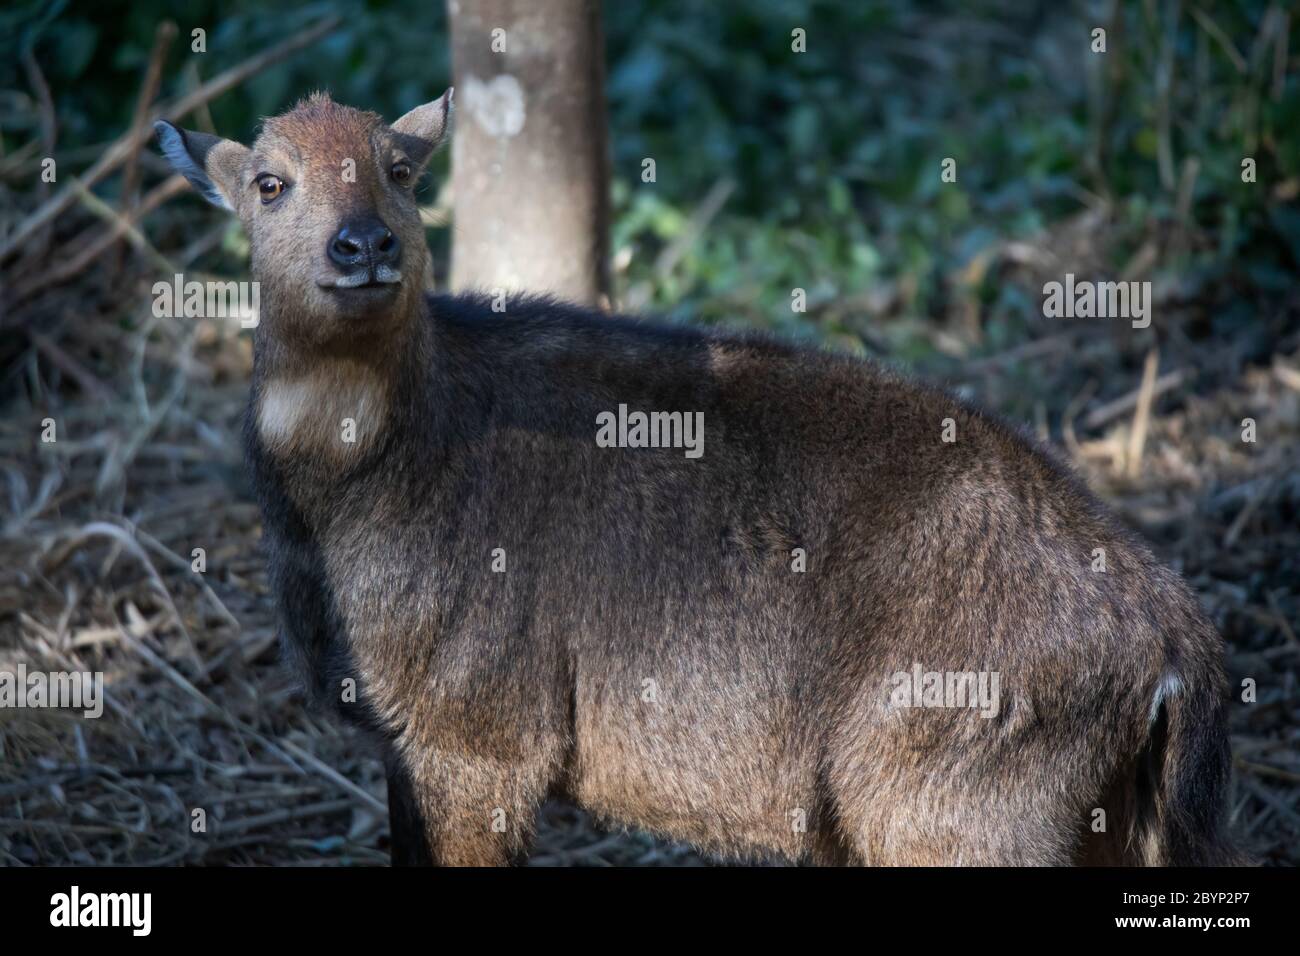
(94, 57)
(835, 153)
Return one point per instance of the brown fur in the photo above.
(770, 730)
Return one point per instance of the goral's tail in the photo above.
(1183, 779)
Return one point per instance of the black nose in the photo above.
(364, 242)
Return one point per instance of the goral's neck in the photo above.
(327, 407)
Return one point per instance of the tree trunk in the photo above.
(530, 155)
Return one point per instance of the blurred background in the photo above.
(774, 171)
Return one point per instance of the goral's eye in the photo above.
(269, 187)
(401, 172)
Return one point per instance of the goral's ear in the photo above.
(421, 131)
(214, 166)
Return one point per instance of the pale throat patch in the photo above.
(334, 410)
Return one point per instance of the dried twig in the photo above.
(1142, 415)
(163, 36)
(118, 227)
(1104, 414)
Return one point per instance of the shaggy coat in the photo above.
(709, 647)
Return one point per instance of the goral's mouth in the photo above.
(383, 277)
